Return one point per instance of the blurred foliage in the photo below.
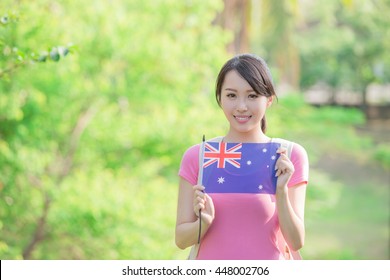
(382, 154)
(84, 142)
(345, 43)
(322, 127)
(90, 147)
(341, 43)
(15, 55)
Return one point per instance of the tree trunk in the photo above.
(235, 17)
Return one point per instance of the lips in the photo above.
(242, 119)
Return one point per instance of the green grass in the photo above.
(357, 227)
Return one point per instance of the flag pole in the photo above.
(200, 182)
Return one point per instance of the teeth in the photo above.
(242, 118)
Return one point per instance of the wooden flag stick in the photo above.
(200, 182)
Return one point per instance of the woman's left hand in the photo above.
(284, 169)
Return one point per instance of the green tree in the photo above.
(86, 144)
(345, 43)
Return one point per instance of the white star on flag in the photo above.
(264, 150)
(249, 162)
(221, 180)
(260, 187)
(273, 157)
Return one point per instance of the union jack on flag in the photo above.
(250, 168)
(221, 155)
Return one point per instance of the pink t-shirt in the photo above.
(245, 225)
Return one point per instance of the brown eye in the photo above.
(231, 95)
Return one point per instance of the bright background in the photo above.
(100, 99)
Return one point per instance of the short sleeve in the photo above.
(300, 161)
(189, 166)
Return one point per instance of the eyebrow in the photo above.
(234, 90)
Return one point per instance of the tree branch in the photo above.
(11, 68)
(40, 229)
(60, 172)
(83, 121)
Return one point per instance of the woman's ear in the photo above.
(270, 100)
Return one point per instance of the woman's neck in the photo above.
(246, 137)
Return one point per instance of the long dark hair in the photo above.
(254, 70)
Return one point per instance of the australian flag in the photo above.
(240, 167)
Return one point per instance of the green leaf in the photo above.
(54, 54)
(4, 20)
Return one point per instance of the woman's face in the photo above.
(242, 106)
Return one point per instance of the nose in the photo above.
(241, 106)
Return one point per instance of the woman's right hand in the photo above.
(203, 202)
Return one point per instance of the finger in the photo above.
(198, 200)
(283, 157)
(197, 209)
(198, 206)
(279, 164)
(198, 187)
(199, 194)
(283, 160)
(209, 201)
(281, 150)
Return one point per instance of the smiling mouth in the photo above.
(242, 118)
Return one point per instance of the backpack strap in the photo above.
(216, 139)
(288, 145)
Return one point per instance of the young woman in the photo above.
(244, 226)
